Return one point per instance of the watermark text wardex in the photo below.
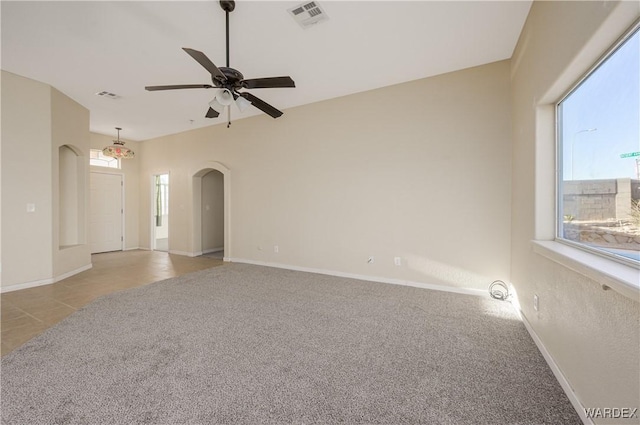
(611, 412)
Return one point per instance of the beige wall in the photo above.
(129, 170)
(27, 238)
(36, 121)
(70, 127)
(593, 335)
(419, 170)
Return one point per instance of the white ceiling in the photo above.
(84, 47)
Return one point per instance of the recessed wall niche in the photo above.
(71, 197)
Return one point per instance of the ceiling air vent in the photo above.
(308, 14)
(107, 95)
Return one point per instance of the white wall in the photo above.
(593, 335)
(419, 170)
(129, 170)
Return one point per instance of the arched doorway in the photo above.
(212, 214)
(211, 210)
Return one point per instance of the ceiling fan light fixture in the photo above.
(224, 97)
(118, 150)
(242, 103)
(216, 106)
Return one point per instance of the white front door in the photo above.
(105, 212)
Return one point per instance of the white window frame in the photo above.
(622, 277)
(101, 157)
(559, 157)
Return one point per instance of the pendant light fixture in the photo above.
(118, 150)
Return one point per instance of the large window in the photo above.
(599, 156)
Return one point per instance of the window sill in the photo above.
(608, 273)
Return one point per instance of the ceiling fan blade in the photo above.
(266, 83)
(203, 60)
(212, 113)
(179, 86)
(262, 105)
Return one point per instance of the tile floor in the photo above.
(28, 312)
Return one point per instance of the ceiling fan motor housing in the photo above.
(233, 78)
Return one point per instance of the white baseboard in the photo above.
(42, 282)
(564, 383)
(72, 273)
(26, 285)
(196, 253)
(466, 291)
(185, 253)
(133, 249)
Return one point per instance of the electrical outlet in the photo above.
(370, 260)
(397, 261)
(276, 249)
(536, 305)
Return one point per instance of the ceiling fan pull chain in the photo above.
(228, 116)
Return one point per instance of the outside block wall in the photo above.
(599, 200)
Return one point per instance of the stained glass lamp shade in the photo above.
(118, 150)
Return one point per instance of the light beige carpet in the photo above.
(250, 344)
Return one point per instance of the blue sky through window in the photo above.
(601, 119)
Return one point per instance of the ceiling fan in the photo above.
(230, 81)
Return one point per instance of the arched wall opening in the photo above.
(211, 228)
(71, 196)
(212, 212)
